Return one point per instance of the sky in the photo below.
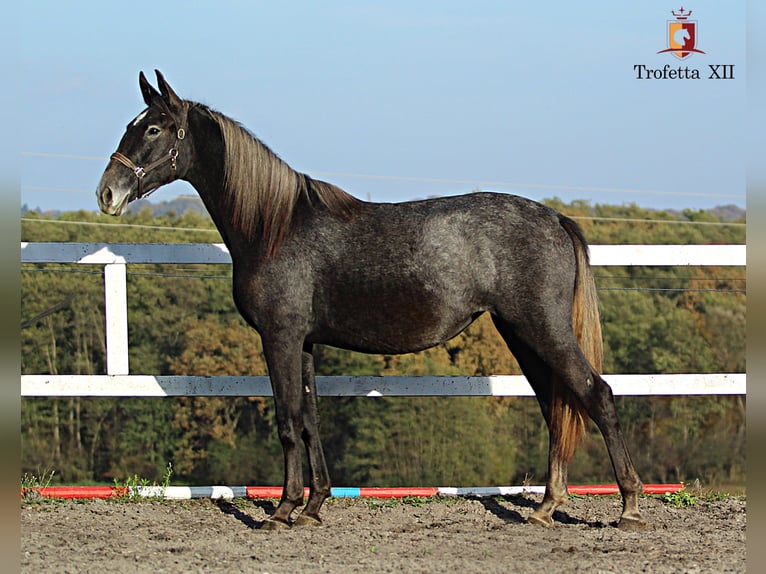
(400, 100)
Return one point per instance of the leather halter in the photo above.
(171, 157)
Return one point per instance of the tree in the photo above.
(212, 429)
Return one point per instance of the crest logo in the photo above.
(682, 35)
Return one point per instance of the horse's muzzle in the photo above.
(112, 202)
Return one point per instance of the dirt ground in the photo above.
(370, 535)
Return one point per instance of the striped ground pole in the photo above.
(230, 492)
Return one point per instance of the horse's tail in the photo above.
(568, 417)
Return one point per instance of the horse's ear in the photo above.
(147, 90)
(170, 97)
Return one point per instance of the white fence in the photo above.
(118, 381)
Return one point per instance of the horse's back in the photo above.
(481, 237)
(489, 216)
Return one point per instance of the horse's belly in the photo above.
(410, 297)
(380, 328)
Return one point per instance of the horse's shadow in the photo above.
(512, 516)
(508, 513)
(227, 507)
(504, 513)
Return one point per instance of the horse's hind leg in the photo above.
(599, 402)
(319, 476)
(591, 392)
(539, 376)
(563, 435)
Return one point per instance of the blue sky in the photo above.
(400, 100)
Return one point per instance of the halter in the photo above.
(171, 157)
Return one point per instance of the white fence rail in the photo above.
(118, 381)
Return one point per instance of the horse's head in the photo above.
(150, 154)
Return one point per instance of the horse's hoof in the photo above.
(540, 520)
(274, 525)
(305, 520)
(630, 524)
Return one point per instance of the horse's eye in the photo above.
(153, 131)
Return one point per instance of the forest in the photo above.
(182, 320)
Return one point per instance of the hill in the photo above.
(193, 204)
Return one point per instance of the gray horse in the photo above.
(314, 265)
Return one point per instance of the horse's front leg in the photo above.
(283, 358)
(319, 476)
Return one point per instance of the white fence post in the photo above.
(116, 312)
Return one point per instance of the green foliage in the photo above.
(679, 499)
(31, 484)
(718, 496)
(416, 501)
(130, 488)
(422, 441)
(182, 321)
(41, 480)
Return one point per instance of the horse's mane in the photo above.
(263, 191)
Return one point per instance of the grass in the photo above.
(719, 495)
(31, 483)
(690, 496)
(680, 499)
(130, 488)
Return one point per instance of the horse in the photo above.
(314, 265)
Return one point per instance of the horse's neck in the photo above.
(207, 175)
